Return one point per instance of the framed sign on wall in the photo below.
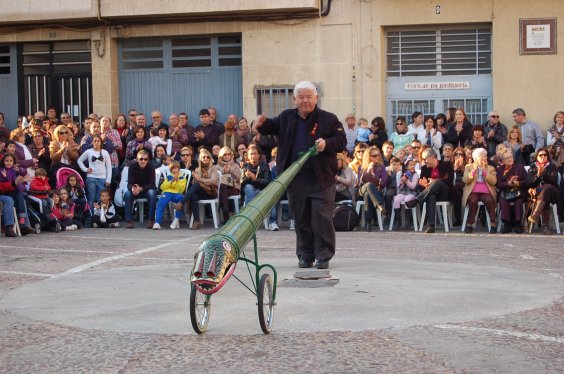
(537, 36)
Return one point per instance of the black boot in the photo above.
(368, 226)
(506, 227)
(397, 219)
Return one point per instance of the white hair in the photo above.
(479, 152)
(305, 85)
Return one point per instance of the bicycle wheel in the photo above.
(199, 310)
(265, 303)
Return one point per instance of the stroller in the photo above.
(39, 218)
(82, 211)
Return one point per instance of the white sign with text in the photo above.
(438, 86)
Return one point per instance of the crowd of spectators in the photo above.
(514, 170)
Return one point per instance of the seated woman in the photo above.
(173, 188)
(373, 179)
(230, 180)
(459, 164)
(478, 140)
(187, 161)
(255, 174)
(344, 179)
(401, 137)
(63, 151)
(542, 184)
(159, 156)
(205, 185)
(138, 143)
(480, 179)
(510, 180)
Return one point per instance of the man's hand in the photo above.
(320, 143)
(200, 135)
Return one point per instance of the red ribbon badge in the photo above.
(314, 131)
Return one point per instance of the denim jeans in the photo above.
(162, 204)
(93, 188)
(250, 192)
(7, 210)
(150, 195)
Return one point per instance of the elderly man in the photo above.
(66, 118)
(157, 118)
(436, 179)
(312, 192)
(533, 139)
(495, 132)
(351, 132)
(177, 134)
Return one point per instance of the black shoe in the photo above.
(411, 203)
(519, 229)
(322, 264)
(493, 230)
(430, 229)
(305, 264)
(468, 229)
(506, 229)
(457, 222)
(25, 230)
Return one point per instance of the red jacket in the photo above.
(39, 188)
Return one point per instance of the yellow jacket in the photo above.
(171, 186)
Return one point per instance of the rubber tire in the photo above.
(265, 307)
(196, 307)
(37, 228)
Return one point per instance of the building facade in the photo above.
(380, 57)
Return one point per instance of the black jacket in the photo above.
(328, 127)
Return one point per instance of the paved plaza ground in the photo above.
(117, 301)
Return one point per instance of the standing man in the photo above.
(213, 117)
(207, 134)
(531, 133)
(312, 192)
(351, 132)
(495, 132)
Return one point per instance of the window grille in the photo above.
(62, 58)
(407, 107)
(273, 100)
(4, 60)
(476, 109)
(439, 52)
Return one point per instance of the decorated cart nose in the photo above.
(217, 257)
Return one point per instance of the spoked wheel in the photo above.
(265, 303)
(199, 310)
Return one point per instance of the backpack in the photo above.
(345, 218)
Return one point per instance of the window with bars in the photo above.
(406, 108)
(62, 58)
(4, 59)
(476, 109)
(273, 100)
(439, 52)
(185, 53)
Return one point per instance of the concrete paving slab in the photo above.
(371, 294)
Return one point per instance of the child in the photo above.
(363, 131)
(407, 188)
(155, 139)
(76, 192)
(99, 170)
(63, 210)
(39, 188)
(12, 177)
(394, 180)
(173, 187)
(105, 212)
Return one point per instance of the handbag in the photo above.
(227, 179)
(511, 194)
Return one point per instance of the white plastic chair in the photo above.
(214, 205)
(414, 214)
(467, 210)
(360, 212)
(444, 207)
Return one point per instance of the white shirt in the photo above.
(100, 169)
(351, 135)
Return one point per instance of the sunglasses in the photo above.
(186, 154)
(494, 116)
(227, 154)
(459, 154)
(542, 155)
(142, 159)
(375, 155)
(399, 124)
(414, 147)
(204, 157)
(63, 133)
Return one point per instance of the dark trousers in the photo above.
(472, 202)
(313, 209)
(224, 193)
(437, 191)
(194, 194)
(106, 224)
(505, 209)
